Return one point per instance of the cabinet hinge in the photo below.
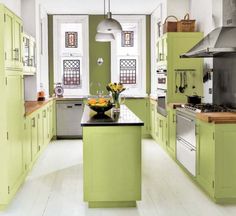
(213, 184)
(39, 148)
(7, 136)
(5, 56)
(213, 136)
(6, 80)
(8, 189)
(25, 167)
(4, 17)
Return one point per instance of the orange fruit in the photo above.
(102, 100)
(92, 101)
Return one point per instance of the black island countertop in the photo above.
(123, 118)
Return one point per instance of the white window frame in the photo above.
(140, 88)
(84, 20)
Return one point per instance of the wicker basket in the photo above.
(186, 25)
(170, 26)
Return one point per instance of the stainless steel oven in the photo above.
(186, 141)
(161, 101)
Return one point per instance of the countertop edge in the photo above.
(33, 106)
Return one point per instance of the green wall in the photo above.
(98, 74)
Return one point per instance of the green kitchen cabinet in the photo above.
(216, 160)
(34, 136)
(29, 55)
(140, 107)
(27, 144)
(180, 72)
(171, 144)
(112, 166)
(45, 125)
(153, 109)
(14, 126)
(13, 30)
(51, 120)
(40, 130)
(161, 130)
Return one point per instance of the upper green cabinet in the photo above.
(29, 55)
(185, 73)
(12, 28)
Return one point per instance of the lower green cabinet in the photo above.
(153, 109)
(171, 144)
(216, 160)
(14, 127)
(34, 136)
(161, 130)
(159, 125)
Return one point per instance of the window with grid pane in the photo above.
(128, 71)
(71, 73)
(128, 54)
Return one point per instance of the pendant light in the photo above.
(109, 25)
(104, 37)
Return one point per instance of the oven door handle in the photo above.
(186, 144)
(185, 118)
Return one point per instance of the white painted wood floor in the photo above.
(55, 187)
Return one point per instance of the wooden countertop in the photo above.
(32, 106)
(218, 117)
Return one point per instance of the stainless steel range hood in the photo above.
(219, 42)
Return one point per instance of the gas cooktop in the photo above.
(193, 109)
(206, 107)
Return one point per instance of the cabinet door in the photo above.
(152, 120)
(48, 123)
(205, 156)
(164, 132)
(159, 51)
(34, 137)
(171, 143)
(158, 129)
(15, 120)
(18, 39)
(40, 130)
(45, 127)
(164, 48)
(51, 120)
(27, 143)
(8, 38)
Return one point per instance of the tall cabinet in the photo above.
(12, 104)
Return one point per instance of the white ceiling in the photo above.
(96, 6)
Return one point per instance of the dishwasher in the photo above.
(69, 114)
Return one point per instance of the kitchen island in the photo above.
(112, 158)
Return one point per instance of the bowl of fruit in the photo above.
(99, 105)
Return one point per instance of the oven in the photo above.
(161, 101)
(186, 141)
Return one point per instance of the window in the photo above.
(71, 54)
(128, 55)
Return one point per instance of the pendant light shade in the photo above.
(104, 37)
(109, 25)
